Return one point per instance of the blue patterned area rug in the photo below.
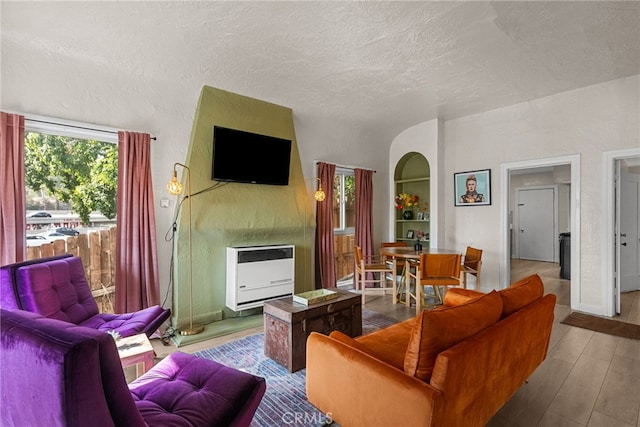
(285, 401)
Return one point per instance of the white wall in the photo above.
(584, 122)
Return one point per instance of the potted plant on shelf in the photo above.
(406, 203)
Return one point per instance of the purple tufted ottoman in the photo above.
(55, 373)
(182, 385)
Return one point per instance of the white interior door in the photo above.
(536, 232)
(627, 234)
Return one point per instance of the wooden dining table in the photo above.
(403, 254)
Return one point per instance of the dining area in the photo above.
(416, 277)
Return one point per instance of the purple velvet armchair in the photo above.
(57, 288)
(55, 373)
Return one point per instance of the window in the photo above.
(344, 217)
(77, 177)
(70, 167)
(71, 187)
(344, 214)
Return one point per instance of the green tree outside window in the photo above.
(83, 172)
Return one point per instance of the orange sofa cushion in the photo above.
(521, 293)
(436, 331)
(346, 339)
(389, 344)
(457, 296)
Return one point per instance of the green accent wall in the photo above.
(235, 214)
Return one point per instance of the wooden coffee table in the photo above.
(287, 324)
(136, 350)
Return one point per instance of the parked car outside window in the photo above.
(36, 240)
(39, 215)
(67, 231)
(52, 235)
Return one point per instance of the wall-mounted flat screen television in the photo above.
(240, 156)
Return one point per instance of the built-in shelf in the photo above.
(412, 176)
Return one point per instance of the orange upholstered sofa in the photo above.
(453, 366)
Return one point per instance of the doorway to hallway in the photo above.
(568, 217)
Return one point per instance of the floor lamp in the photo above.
(174, 187)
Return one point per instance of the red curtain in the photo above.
(137, 285)
(13, 222)
(325, 261)
(364, 212)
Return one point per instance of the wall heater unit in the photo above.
(256, 274)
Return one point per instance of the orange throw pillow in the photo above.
(521, 293)
(436, 331)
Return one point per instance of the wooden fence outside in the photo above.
(97, 249)
(343, 248)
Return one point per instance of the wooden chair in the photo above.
(390, 262)
(435, 270)
(397, 267)
(472, 264)
(371, 270)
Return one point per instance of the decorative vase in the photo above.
(407, 215)
(417, 246)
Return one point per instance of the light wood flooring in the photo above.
(588, 379)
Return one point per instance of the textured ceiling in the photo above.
(379, 65)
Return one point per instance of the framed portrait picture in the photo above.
(420, 216)
(472, 188)
(410, 234)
